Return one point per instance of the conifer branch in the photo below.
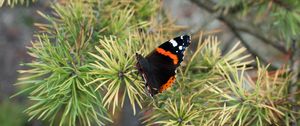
(84, 68)
(240, 25)
(12, 3)
(229, 21)
(294, 82)
(61, 80)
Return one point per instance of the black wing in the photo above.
(158, 68)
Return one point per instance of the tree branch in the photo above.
(238, 35)
(295, 69)
(241, 26)
(237, 25)
(283, 4)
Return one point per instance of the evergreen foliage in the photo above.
(84, 67)
(282, 15)
(12, 3)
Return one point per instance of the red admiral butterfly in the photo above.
(158, 68)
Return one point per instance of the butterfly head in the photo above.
(158, 68)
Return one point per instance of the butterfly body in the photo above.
(158, 68)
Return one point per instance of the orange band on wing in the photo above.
(169, 54)
(168, 84)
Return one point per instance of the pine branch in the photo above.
(283, 4)
(240, 26)
(237, 34)
(114, 72)
(12, 3)
(68, 70)
(293, 86)
(237, 26)
(81, 71)
(222, 92)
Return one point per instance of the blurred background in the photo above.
(17, 29)
(16, 32)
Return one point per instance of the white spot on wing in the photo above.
(174, 43)
(180, 47)
(149, 91)
(176, 51)
(181, 37)
(145, 79)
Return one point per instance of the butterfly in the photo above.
(158, 68)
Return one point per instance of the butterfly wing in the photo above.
(158, 68)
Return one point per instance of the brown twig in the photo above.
(237, 26)
(242, 26)
(283, 4)
(238, 35)
(295, 70)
